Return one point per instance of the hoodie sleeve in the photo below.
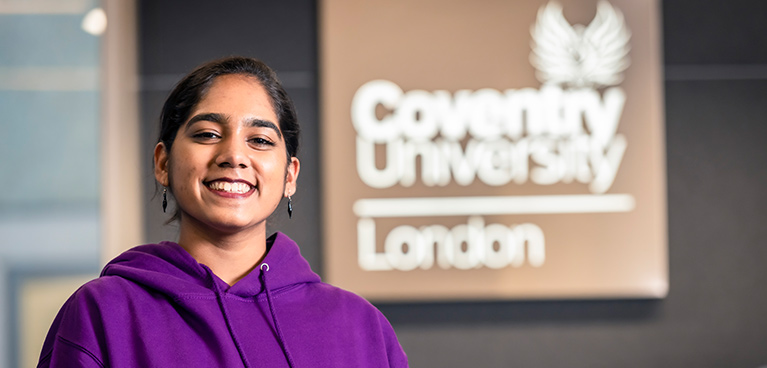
(65, 343)
(394, 351)
(67, 354)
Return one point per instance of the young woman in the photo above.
(225, 295)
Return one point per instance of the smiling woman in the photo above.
(225, 295)
(228, 170)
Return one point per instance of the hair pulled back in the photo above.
(195, 85)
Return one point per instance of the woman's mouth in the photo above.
(229, 187)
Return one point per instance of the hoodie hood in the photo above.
(169, 269)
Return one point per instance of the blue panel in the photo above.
(50, 149)
(46, 40)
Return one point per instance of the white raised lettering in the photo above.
(398, 257)
(602, 118)
(364, 104)
(366, 163)
(416, 115)
(367, 257)
(465, 246)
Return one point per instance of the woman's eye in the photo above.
(205, 135)
(261, 141)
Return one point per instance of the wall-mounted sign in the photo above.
(502, 149)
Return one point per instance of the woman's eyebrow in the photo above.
(210, 116)
(260, 123)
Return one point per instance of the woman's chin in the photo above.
(224, 225)
(234, 226)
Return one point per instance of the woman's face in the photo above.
(227, 167)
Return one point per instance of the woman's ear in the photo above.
(161, 164)
(294, 166)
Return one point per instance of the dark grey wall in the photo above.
(176, 36)
(716, 118)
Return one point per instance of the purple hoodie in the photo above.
(155, 306)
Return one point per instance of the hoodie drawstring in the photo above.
(264, 269)
(225, 312)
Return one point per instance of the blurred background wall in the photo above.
(50, 106)
(51, 205)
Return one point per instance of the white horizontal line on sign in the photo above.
(506, 205)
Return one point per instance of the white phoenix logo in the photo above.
(578, 56)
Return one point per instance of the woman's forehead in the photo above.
(236, 94)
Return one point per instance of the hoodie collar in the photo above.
(169, 269)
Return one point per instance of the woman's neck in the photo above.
(230, 256)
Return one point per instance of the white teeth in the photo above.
(223, 186)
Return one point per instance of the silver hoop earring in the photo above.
(290, 207)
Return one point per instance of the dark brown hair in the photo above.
(195, 85)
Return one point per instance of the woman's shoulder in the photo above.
(337, 312)
(79, 323)
(325, 290)
(103, 294)
(331, 299)
(104, 289)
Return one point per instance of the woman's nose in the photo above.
(232, 153)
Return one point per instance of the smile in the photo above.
(227, 187)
